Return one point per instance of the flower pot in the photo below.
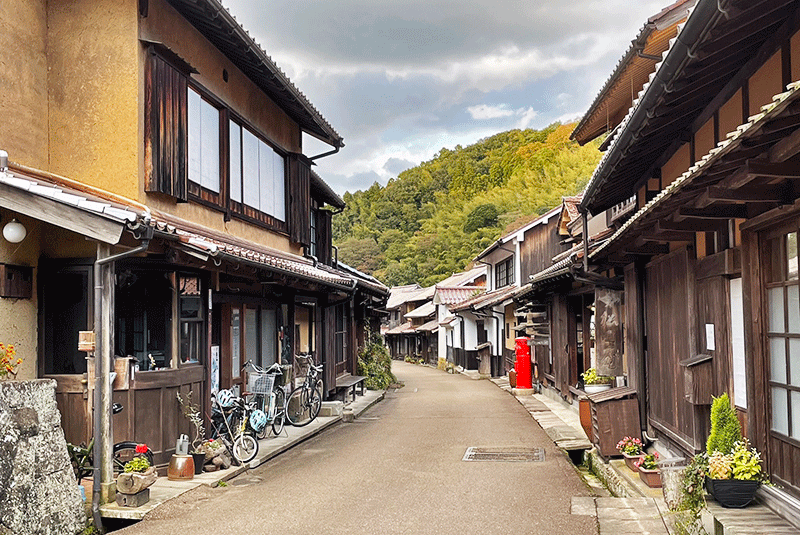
(732, 493)
(199, 461)
(595, 388)
(631, 460)
(180, 467)
(651, 478)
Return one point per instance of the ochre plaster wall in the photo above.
(704, 139)
(93, 93)
(730, 115)
(164, 25)
(765, 83)
(19, 317)
(675, 166)
(23, 77)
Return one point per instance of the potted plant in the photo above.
(137, 473)
(734, 468)
(192, 413)
(631, 450)
(9, 362)
(593, 383)
(648, 470)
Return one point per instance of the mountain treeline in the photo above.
(433, 219)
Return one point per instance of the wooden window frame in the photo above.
(240, 210)
(196, 192)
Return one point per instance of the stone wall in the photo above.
(38, 491)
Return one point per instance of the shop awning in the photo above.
(63, 207)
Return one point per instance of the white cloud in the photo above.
(526, 117)
(481, 112)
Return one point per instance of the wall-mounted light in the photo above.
(14, 231)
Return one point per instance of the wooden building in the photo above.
(169, 207)
(708, 253)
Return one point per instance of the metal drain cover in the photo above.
(504, 454)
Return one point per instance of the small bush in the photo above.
(725, 428)
(375, 363)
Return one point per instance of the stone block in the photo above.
(133, 500)
(331, 408)
(38, 491)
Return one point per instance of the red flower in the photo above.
(141, 448)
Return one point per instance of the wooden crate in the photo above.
(615, 414)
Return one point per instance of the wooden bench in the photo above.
(347, 384)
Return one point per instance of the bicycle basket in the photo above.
(260, 383)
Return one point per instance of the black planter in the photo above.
(199, 460)
(732, 493)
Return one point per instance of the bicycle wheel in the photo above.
(261, 403)
(124, 452)
(280, 411)
(245, 448)
(302, 406)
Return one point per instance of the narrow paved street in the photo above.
(399, 469)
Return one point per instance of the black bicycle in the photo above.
(81, 455)
(305, 401)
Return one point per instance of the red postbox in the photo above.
(523, 363)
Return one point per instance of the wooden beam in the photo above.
(786, 148)
(646, 250)
(754, 193)
(712, 212)
(760, 168)
(693, 225)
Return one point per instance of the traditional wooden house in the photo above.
(157, 165)
(709, 256)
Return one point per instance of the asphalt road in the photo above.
(398, 469)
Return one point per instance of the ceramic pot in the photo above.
(631, 460)
(180, 467)
(732, 493)
(595, 388)
(651, 478)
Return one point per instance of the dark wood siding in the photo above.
(560, 344)
(165, 128)
(670, 335)
(634, 337)
(299, 217)
(540, 245)
(324, 237)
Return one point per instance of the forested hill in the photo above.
(433, 219)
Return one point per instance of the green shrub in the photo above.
(375, 363)
(725, 428)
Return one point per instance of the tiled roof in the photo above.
(423, 311)
(431, 326)
(733, 140)
(217, 245)
(222, 29)
(362, 279)
(631, 71)
(455, 295)
(404, 328)
(571, 206)
(487, 299)
(400, 294)
(462, 278)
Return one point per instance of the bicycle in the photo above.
(304, 402)
(230, 420)
(82, 462)
(269, 396)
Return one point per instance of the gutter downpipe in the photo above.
(102, 449)
(585, 223)
(324, 154)
(704, 14)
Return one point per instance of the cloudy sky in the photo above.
(401, 80)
